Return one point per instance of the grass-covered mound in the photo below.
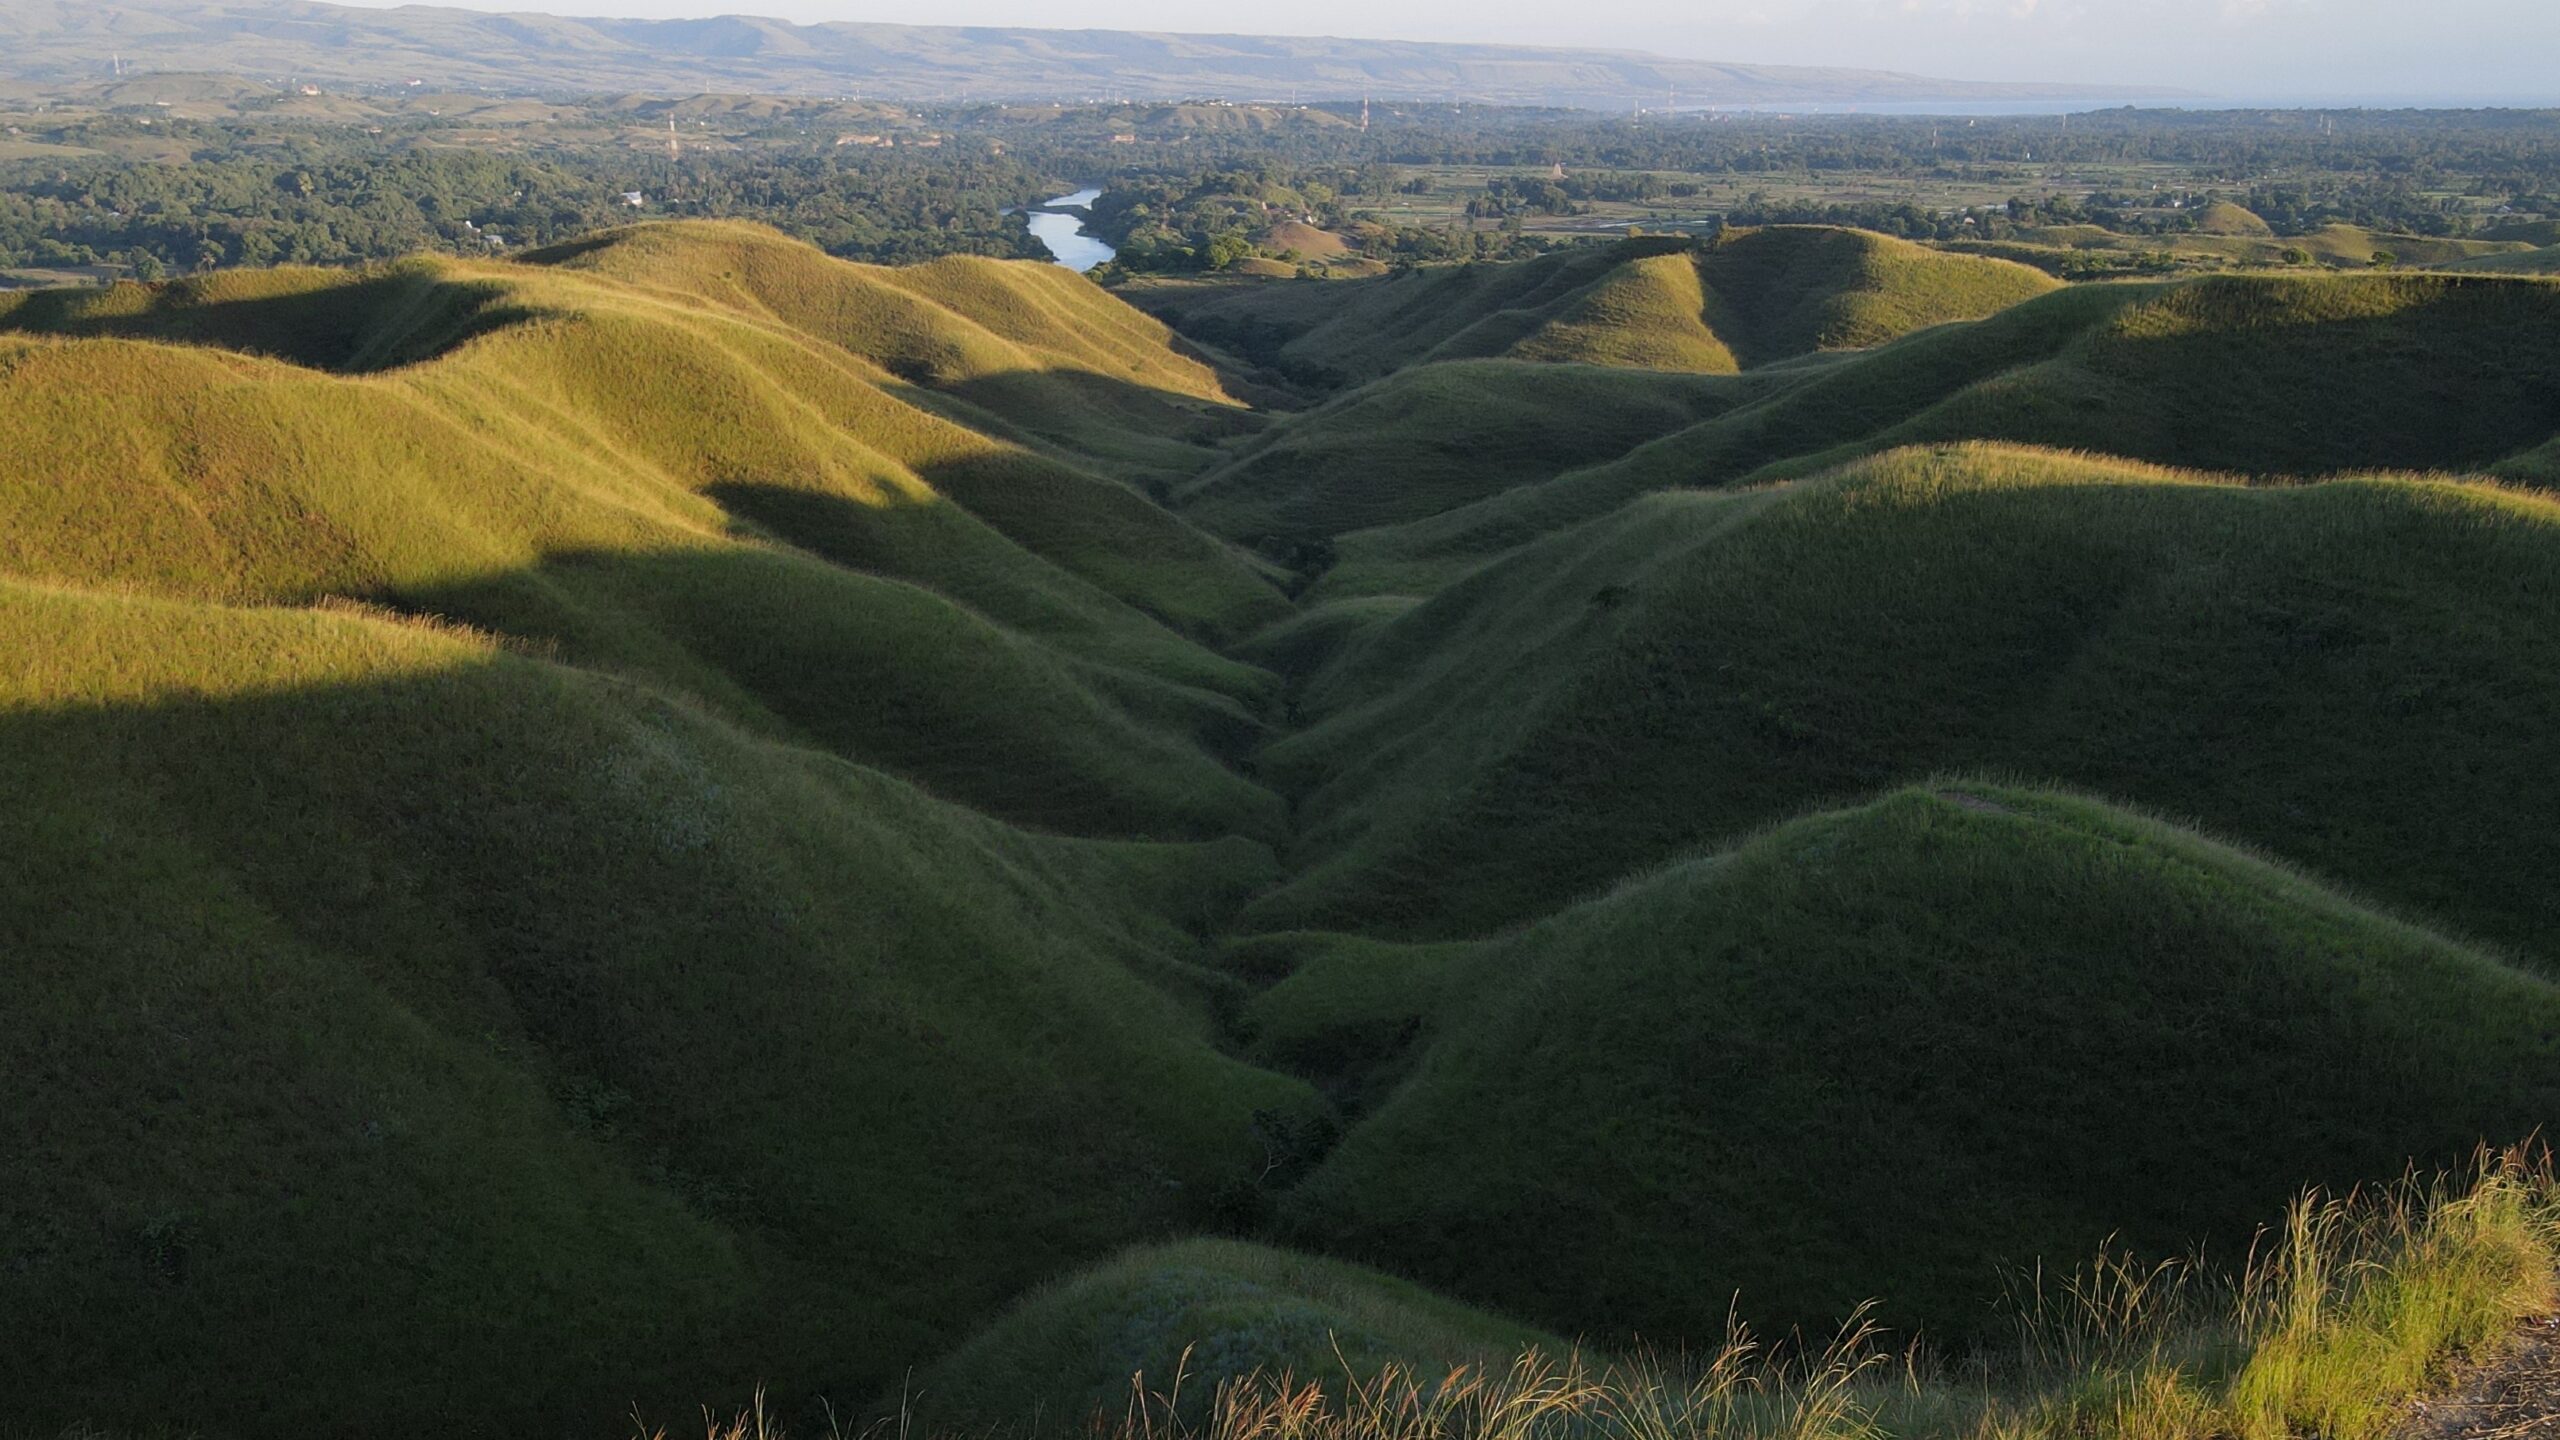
(2223, 217)
(2349, 673)
(1036, 347)
(2268, 375)
(763, 519)
(1203, 1313)
(1792, 290)
(1745, 298)
(2291, 376)
(486, 1044)
(1880, 1052)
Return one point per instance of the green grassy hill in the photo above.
(2258, 375)
(475, 1039)
(680, 491)
(675, 815)
(569, 997)
(1204, 1312)
(2222, 217)
(2346, 673)
(1869, 1051)
(1745, 298)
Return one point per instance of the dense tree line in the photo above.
(1192, 187)
(250, 194)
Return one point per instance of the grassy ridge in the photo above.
(611, 476)
(2346, 673)
(2290, 376)
(1032, 348)
(2259, 375)
(469, 1033)
(392, 1009)
(728, 348)
(1802, 412)
(1744, 298)
(1875, 1052)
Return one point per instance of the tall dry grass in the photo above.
(2351, 1307)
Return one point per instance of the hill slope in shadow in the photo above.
(2344, 673)
(479, 1040)
(1864, 1051)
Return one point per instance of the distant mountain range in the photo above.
(55, 41)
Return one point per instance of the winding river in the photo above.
(1064, 233)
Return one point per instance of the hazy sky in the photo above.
(2245, 49)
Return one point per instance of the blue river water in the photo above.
(1064, 233)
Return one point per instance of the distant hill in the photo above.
(59, 41)
(2223, 217)
(1743, 298)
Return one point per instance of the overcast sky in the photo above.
(2242, 49)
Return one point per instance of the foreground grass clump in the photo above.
(2328, 1327)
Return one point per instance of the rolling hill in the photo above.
(474, 1038)
(2265, 375)
(2341, 672)
(1744, 298)
(1860, 1052)
(601, 463)
(673, 815)
(571, 953)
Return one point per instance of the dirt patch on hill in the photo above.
(1310, 242)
